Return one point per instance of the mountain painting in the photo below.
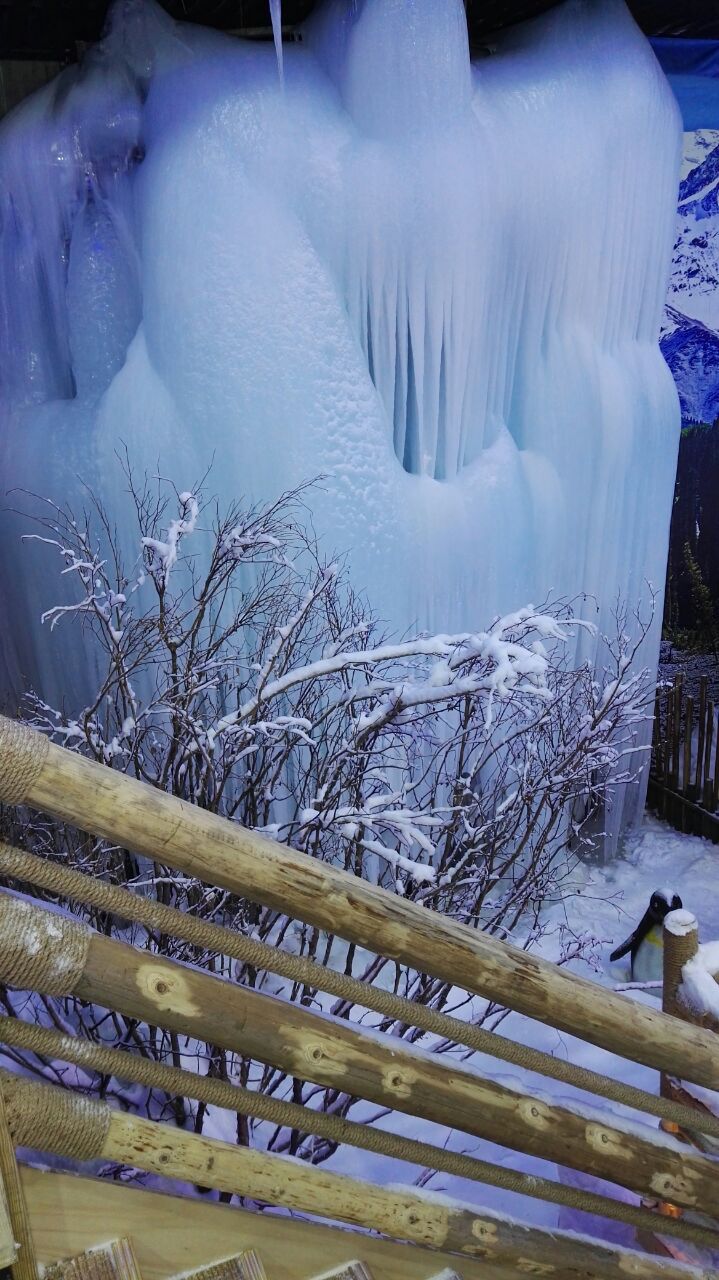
(690, 344)
(690, 337)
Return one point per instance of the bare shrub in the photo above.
(242, 673)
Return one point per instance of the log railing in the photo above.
(54, 955)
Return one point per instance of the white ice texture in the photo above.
(436, 283)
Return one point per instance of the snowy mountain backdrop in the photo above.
(690, 343)
(690, 337)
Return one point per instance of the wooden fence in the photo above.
(684, 774)
(57, 956)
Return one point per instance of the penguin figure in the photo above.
(646, 942)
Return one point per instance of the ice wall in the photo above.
(439, 285)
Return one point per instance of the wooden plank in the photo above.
(149, 821)
(47, 1117)
(402, 1213)
(171, 1236)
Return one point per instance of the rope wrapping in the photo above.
(40, 950)
(207, 936)
(186, 1084)
(45, 1118)
(23, 753)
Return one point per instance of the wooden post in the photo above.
(400, 1213)
(681, 940)
(688, 729)
(95, 798)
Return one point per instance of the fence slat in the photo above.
(688, 730)
(699, 778)
(709, 734)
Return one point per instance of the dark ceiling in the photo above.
(52, 30)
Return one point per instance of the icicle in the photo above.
(276, 15)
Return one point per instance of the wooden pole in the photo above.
(434, 1222)
(338, 1054)
(681, 940)
(110, 804)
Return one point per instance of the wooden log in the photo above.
(688, 729)
(337, 1053)
(98, 799)
(434, 1222)
(172, 1235)
(681, 941)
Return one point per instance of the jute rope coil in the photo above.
(39, 949)
(681, 941)
(207, 936)
(334, 1128)
(45, 1118)
(23, 753)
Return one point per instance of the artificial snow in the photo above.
(699, 988)
(679, 923)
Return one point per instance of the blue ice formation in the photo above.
(437, 284)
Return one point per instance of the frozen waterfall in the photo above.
(437, 284)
